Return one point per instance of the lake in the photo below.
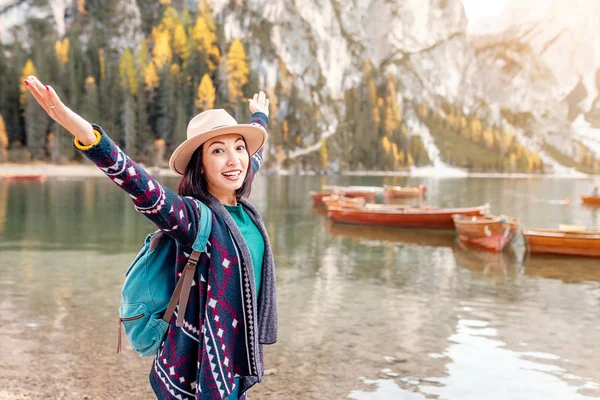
(365, 313)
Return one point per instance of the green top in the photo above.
(253, 239)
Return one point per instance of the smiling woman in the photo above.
(214, 348)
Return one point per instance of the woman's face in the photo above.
(225, 163)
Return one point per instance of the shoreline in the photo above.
(90, 170)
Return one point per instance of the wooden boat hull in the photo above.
(489, 233)
(409, 217)
(556, 242)
(27, 178)
(591, 200)
(394, 192)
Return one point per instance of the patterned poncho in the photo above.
(225, 325)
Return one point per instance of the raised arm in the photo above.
(259, 107)
(176, 215)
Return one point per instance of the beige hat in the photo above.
(209, 124)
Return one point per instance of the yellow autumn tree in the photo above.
(378, 109)
(396, 153)
(393, 113)
(162, 54)
(61, 49)
(237, 70)
(323, 153)
(186, 18)
(488, 138)
(28, 69)
(127, 71)
(401, 159)
(102, 64)
(151, 79)
(204, 9)
(476, 130)
(81, 7)
(3, 141)
(386, 144)
(285, 130)
(170, 20)
(206, 94)
(180, 43)
(205, 37)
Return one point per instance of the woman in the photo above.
(232, 309)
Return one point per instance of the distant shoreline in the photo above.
(89, 170)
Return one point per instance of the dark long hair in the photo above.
(194, 184)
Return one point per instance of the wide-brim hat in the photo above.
(210, 124)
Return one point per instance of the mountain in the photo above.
(379, 84)
(541, 59)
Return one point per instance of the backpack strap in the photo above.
(181, 293)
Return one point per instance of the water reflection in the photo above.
(364, 234)
(482, 366)
(505, 264)
(567, 269)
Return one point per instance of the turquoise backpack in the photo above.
(148, 298)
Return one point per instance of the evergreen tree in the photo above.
(180, 129)
(128, 119)
(89, 107)
(144, 135)
(161, 114)
(36, 120)
(10, 106)
(36, 128)
(194, 69)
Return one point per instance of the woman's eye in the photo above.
(217, 151)
(241, 147)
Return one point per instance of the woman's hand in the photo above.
(72, 122)
(259, 103)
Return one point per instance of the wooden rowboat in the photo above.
(577, 242)
(335, 200)
(591, 200)
(398, 192)
(350, 192)
(488, 232)
(403, 217)
(24, 177)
